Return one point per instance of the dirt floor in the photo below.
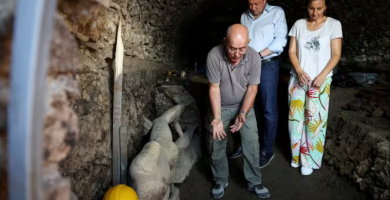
(284, 182)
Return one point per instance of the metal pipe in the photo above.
(30, 57)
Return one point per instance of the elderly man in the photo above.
(268, 34)
(233, 70)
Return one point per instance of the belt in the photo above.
(270, 59)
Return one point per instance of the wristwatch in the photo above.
(261, 56)
(243, 112)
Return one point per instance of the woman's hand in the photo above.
(303, 77)
(319, 80)
(218, 131)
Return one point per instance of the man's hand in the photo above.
(240, 120)
(319, 80)
(218, 128)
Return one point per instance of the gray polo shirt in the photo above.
(233, 81)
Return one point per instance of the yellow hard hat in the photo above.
(120, 192)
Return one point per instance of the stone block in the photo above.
(378, 112)
(361, 58)
(378, 122)
(383, 150)
(368, 108)
(355, 104)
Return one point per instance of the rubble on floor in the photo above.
(357, 144)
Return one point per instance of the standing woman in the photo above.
(315, 49)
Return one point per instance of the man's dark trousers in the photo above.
(266, 103)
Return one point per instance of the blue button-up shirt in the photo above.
(269, 30)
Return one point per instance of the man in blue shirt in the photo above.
(268, 34)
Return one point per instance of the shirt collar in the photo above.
(267, 7)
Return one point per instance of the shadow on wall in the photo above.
(365, 29)
(209, 29)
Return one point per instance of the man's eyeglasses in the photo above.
(233, 50)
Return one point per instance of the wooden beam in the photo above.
(117, 107)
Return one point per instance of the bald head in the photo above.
(237, 32)
(236, 42)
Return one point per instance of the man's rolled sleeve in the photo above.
(255, 72)
(212, 69)
(280, 35)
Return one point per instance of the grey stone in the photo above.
(128, 52)
(362, 168)
(136, 39)
(378, 122)
(135, 11)
(355, 104)
(145, 14)
(378, 112)
(375, 58)
(155, 21)
(386, 57)
(373, 102)
(383, 150)
(365, 44)
(82, 37)
(385, 42)
(373, 44)
(93, 45)
(360, 116)
(368, 108)
(361, 58)
(372, 52)
(343, 59)
(378, 135)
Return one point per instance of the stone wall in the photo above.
(151, 35)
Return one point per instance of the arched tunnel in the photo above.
(84, 116)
